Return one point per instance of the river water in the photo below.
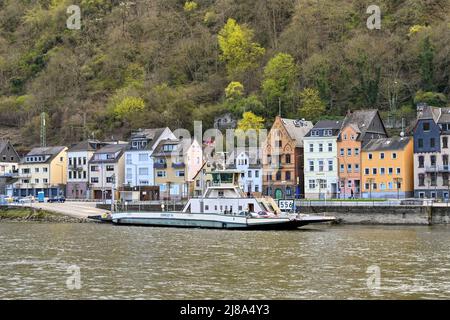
(93, 261)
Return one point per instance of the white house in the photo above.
(320, 160)
(139, 169)
(251, 171)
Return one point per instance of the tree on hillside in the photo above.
(426, 64)
(238, 50)
(312, 107)
(279, 81)
(250, 121)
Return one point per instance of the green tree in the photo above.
(234, 91)
(434, 99)
(279, 79)
(426, 58)
(250, 121)
(312, 107)
(238, 50)
(127, 107)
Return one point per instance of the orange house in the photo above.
(359, 127)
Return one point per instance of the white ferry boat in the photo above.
(223, 206)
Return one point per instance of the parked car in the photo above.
(56, 200)
(27, 199)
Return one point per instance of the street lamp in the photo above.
(370, 181)
(398, 182)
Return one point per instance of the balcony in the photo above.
(160, 165)
(179, 165)
(442, 168)
(74, 167)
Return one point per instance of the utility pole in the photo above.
(43, 135)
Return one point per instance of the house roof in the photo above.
(334, 125)
(150, 134)
(4, 144)
(110, 148)
(182, 147)
(360, 121)
(386, 144)
(445, 116)
(44, 151)
(297, 129)
(87, 145)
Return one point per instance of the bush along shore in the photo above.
(36, 215)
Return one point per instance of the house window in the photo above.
(342, 152)
(311, 147)
(94, 180)
(382, 186)
(342, 168)
(356, 151)
(433, 160)
(36, 170)
(256, 188)
(109, 168)
(312, 184)
(330, 165)
(311, 165)
(390, 185)
(349, 152)
(323, 183)
(129, 159)
(180, 174)
(143, 171)
(421, 161)
(420, 143)
(321, 165)
(288, 175)
(349, 168)
(161, 174)
(330, 147)
(445, 181)
(382, 171)
(70, 174)
(367, 186)
(366, 171)
(374, 171)
(390, 171)
(398, 170)
(394, 155)
(426, 126)
(382, 155)
(109, 179)
(370, 156)
(288, 158)
(278, 176)
(445, 142)
(356, 167)
(349, 183)
(94, 168)
(256, 174)
(320, 147)
(432, 142)
(45, 180)
(249, 173)
(143, 157)
(36, 180)
(421, 180)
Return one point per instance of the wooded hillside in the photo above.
(151, 63)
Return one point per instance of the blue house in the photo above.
(431, 152)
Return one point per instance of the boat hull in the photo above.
(210, 221)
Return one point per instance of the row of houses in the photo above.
(348, 158)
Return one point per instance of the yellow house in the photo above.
(176, 163)
(42, 169)
(388, 168)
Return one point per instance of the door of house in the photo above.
(278, 194)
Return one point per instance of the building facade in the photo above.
(9, 165)
(431, 153)
(78, 157)
(139, 171)
(358, 128)
(321, 173)
(106, 171)
(251, 172)
(42, 169)
(176, 163)
(388, 168)
(282, 158)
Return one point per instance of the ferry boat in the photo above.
(223, 206)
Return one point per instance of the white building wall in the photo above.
(251, 178)
(329, 173)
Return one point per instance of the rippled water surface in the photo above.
(319, 262)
